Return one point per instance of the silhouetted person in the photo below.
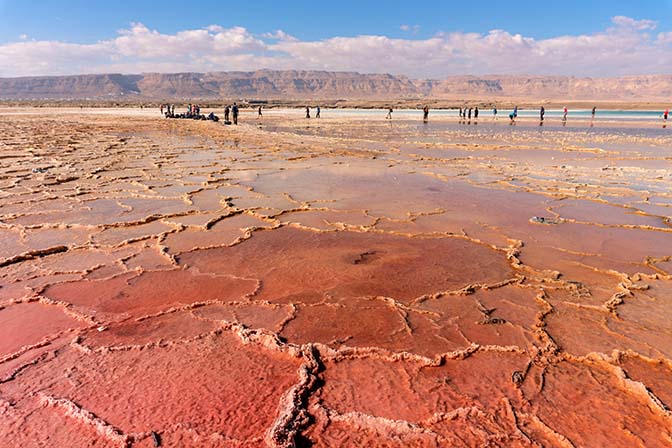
(542, 111)
(307, 112)
(317, 112)
(259, 112)
(665, 114)
(475, 113)
(389, 114)
(564, 113)
(425, 113)
(592, 113)
(494, 113)
(469, 114)
(460, 112)
(234, 112)
(227, 111)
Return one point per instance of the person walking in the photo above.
(259, 112)
(564, 113)
(389, 114)
(542, 111)
(317, 112)
(234, 112)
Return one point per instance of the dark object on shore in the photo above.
(156, 438)
(210, 117)
(517, 378)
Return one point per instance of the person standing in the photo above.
(476, 113)
(542, 111)
(259, 112)
(564, 113)
(494, 113)
(592, 113)
(307, 112)
(317, 111)
(234, 111)
(469, 114)
(665, 114)
(161, 109)
(227, 111)
(425, 114)
(389, 114)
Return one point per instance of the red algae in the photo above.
(31, 324)
(149, 292)
(292, 263)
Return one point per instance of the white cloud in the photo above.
(23, 36)
(632, 23)
(625, 48)
(415, 28)
(279, 35)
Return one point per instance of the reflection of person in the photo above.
(389, 114)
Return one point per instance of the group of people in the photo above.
(193, 113)
(232, 112)
(467, 113)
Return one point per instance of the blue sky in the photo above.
(413, 38)
(85, 21)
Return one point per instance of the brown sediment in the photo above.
(352, 283)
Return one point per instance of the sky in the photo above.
(420, 39)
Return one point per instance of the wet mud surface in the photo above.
(340, 282)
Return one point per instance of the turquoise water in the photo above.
(504, 113)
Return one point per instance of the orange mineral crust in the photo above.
(347, 282)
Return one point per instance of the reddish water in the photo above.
(184, 284)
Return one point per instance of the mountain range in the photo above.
(297, 85)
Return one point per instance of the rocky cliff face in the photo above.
(293, 84)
